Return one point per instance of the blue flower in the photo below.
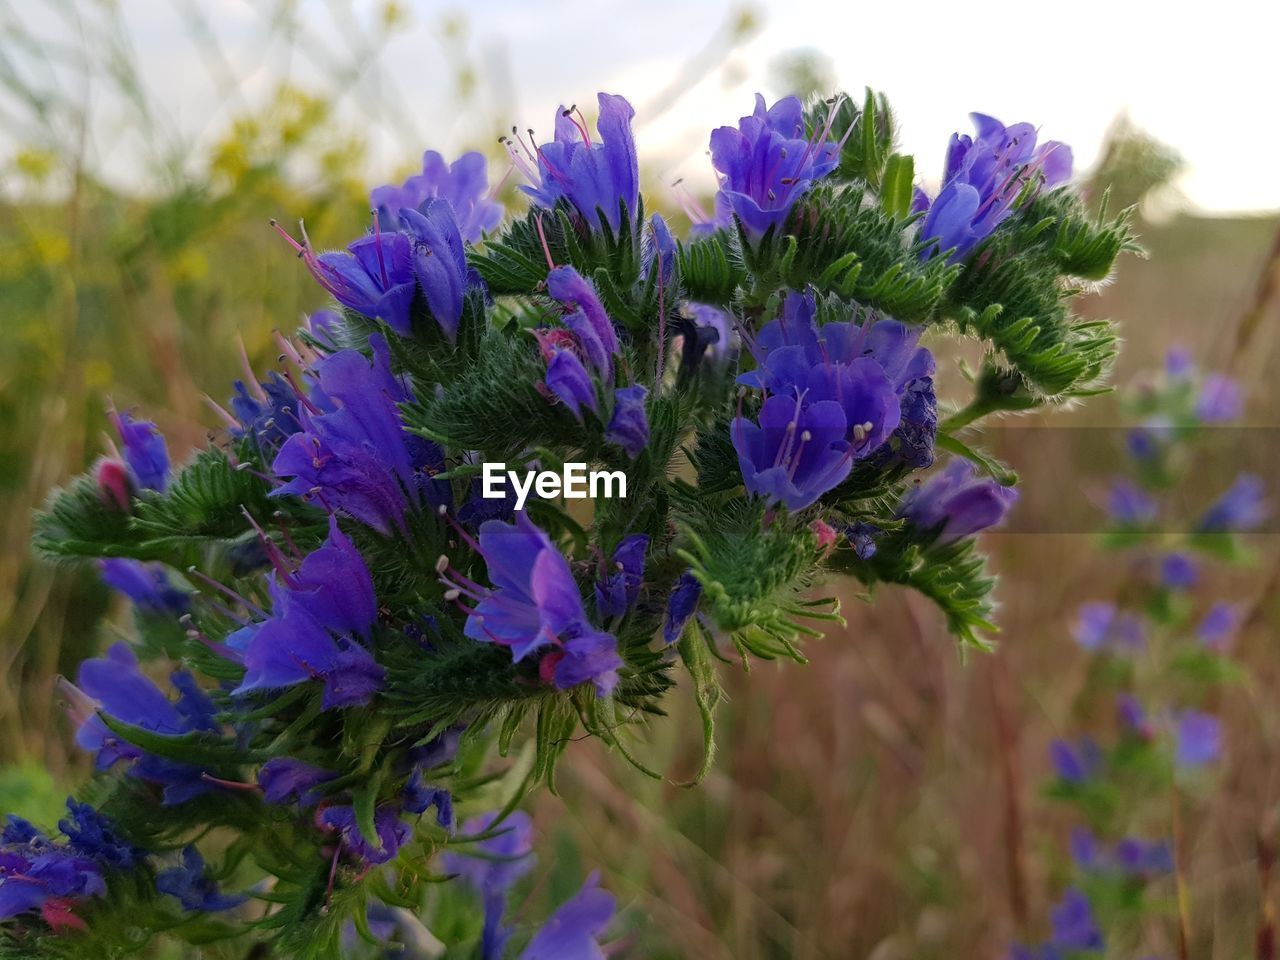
(956, 502)
(267, 411)
(1144, 858)
(193, 887)
(419, 797)
(145, 452)
(1101, 627)
(502, 859)
(47, 878)
(681, 605)
(285, 780)
(115, 685)
(146, 584)
(1220, 400)
(597, 178)
(1178, 364)
(90, 834)
(392, 832)
(439, 262)
(1219, 626)
(534, 605)
(1076, 764)
(862, 537)
(356, 457)
(319, 614)
(1198, 739)
(374, 277)
(585, 317)
(568, 381)
(629, 425)
(464, 184)
(1241, 507)
(572, 931)
(619, 586)
(659, 251)
(984, 176)
(1129, 505)
(1131, 715)
(1074, 927)
(796, 453)
(768, 162)
(1178, 571)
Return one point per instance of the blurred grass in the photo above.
(879, 802)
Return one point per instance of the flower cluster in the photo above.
(365, 650)
(1163, 651)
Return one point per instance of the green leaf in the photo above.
(897, 185)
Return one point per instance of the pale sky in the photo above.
(1203, 78)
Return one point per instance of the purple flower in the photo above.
(1178, 571)
(1129, 505)
(419, 797)
(1077, 763)
(268, 411)
(145, 452)
(1241, 507)
(1074, 927)
(709, 332)
(1220, 400)
(1100, 627)
(1198, 739)
(146, 584)
(659, 250)
(681, 606)
(1131, 715)
(957, 502)
(392, 832)
(503, 859)
(114, 685)
(357, 456)
(1084, 848)
(1178, 364)
(862, 537)
(1219, 626)
(374, 277)
(1145, 858)
(318, 612)
(629, 425)
(597, 177)
(90, 834)
(49, 879)
(439, 263)
(768, 162)
(796, 453)
(572, 931)
(568, 381)
(534, 605)
(876, 372)
(619, 586)
(585, 317)
(464, 184)
(192, 885)
(983, 178)
(285, 780)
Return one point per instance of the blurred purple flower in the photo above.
(464, 184)
(1132, 716)
(1178, 363)
(681, 605)
(503, 859)
(1241, 507)
(1101, 627)
(571, 932)
(957, 502)
(1219, 626)
(145, 451)
(285, 780)
(193, 887)
(1178, 571)
(1129, 505)
(146, 584)
(1077, 763)
(1074, 926)
(392, 832)
(1220, 400)
(1198, 739)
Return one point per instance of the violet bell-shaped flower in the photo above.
(464, 184)
(768, 161)
(597, 177)
(957, 502)
(983, 178)
(534, 605)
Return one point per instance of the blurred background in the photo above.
(882, 801)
